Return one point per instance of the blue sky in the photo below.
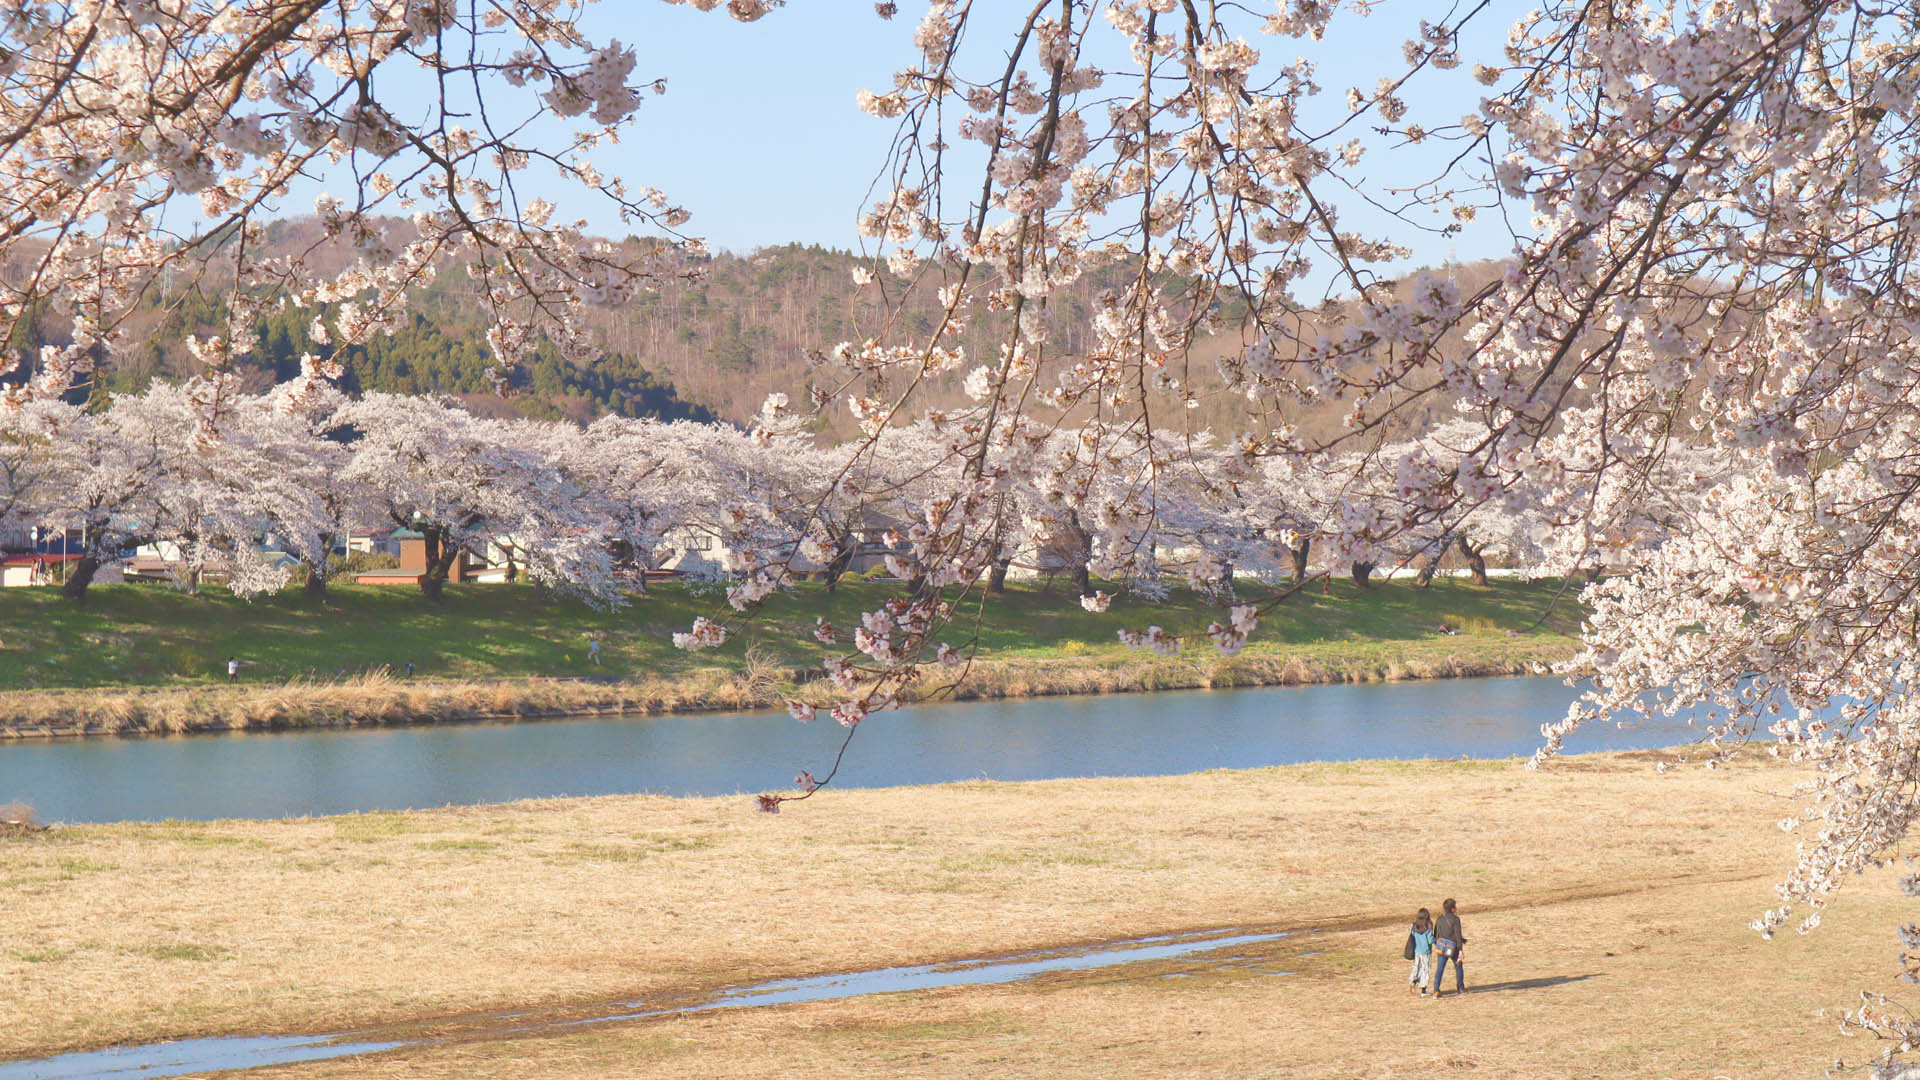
(759, 136)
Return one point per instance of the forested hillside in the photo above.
(713, 346)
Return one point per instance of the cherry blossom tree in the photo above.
(295, 472)
(636, 475)
(110, 465)
(31, 458)
(464, 483)
(198, 504)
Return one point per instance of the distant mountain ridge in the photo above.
(706, 349)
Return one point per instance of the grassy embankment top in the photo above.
(490, 650)
(136, 635)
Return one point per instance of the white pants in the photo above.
(1422, 970)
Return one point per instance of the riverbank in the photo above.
(140, 660)
(1600, 889)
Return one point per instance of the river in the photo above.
(280, 774)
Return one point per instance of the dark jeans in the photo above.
(1440, 971)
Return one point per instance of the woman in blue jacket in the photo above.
(1422, 945)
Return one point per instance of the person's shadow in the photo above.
(1530, 984)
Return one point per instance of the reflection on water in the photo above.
(967, 972)
(327, 772)
(188, 1056)
(1217, 947)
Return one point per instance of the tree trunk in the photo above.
(317, 571)
(1082, 551)
(1299, 553)
(1082, 579)
(1361, 572)
(842, 558)
(1476, 561)
(440, 556)
(1427, 568)
(316, 585)
(79, 576)
(997, 577)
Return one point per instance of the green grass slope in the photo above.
(139, 635)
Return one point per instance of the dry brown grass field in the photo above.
(1605, 906)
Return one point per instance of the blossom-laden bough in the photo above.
(143, 144)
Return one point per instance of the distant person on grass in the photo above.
(1448, 940)
(1420, 951)
(233, 669)
(593, 649)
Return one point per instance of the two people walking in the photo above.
(1431, 943)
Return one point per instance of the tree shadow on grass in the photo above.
(1529, 984)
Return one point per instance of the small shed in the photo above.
(413, 564)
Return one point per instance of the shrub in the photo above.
(359, 562)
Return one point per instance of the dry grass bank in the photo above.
(1605, 905)
(373, 699)
(379, 698)
(1448, 658)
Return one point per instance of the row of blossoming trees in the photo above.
(580, 509)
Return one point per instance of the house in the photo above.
(150, 568)
(165, 562)
(694, 552)
(374, 542)
(38, 555)
(154, 562)
(35, 568)
(412, 548)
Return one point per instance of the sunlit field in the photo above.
(1605, 909)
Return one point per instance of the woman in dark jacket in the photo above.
(1447, 940)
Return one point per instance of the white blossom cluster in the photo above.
(116, 117)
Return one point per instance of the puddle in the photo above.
(959, 973)
(211, 1055)
(189, 1056)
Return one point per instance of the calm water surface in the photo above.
(327, 772)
